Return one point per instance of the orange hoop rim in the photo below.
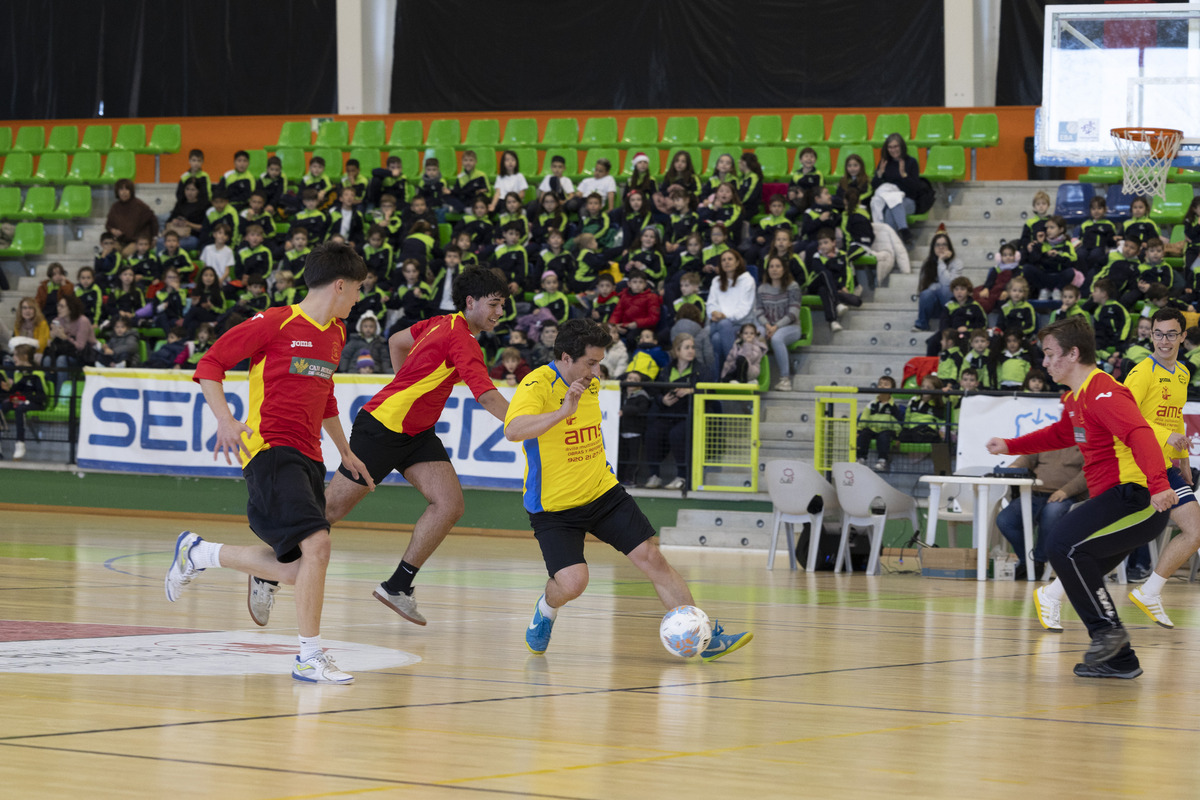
(1146, 134)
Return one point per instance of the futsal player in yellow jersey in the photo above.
(1159, 387)
(570, 489)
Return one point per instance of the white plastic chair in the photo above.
(858, 487)
(792, 486)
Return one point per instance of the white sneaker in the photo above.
(1056, 295)
(260, 597)
(1152, 605)
(1044, 294)
(835, 326)
(881, 465)
(784, 385)
(19, 451)
(403, 604)
(842, 308)
(182, 571)
(654, 482)
(677, 483)
(319, 669)
(1049, 611)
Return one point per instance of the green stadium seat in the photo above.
(1186, 176)
(258, 161)
(447, 159)
(166, 138)
(691, 150)
(63, 139)
(18, 168)
(945, 162)
(716, 152)
(652, 157)
(368, 159)
(488, 159)
(887, 124)
(681, 131)
(58, 407)
(934, 129)
(774, 162)
(406, 134)
(640, 132)
(131, 138)
(39, 203)
(560, 132)
(864, 151)
(294, 134)
(10, 201)
(722, 131)
(591, 156)
(29, 239)
(1102, 175)
(569, 154)
(806, 328)
(30, 139)
(527, 158)
(482, 133)
(764, 129)
(6, 140)
(444, 133)
(445, 231)
(96, 139)
(334, 168)
(75, 203)
(412, 162)
(979, 130)
(848, 129)
(806, 129)
(1169, 210)
(51, 169)
(599, 132)
(119, 164)
(824, 162)
(333, 134)
(85, 169)
(369, 133)
(292, 161)
(520, 132)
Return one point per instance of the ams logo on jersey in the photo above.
(582, 435)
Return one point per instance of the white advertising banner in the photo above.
(156, 422)
(981, 418)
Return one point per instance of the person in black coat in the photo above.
(901, 170)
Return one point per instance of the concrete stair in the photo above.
(738, 530)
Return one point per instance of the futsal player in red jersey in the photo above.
(395, 429)
(293, 353)
(1130, 500)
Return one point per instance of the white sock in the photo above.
(1055, 591)
(1153, 585)
(310, 647)
(544, 607)
(206, 555)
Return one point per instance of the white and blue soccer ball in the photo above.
(685, 631)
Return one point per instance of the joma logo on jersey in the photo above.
(301, 343)
(582, 435)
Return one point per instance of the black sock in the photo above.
(402, 578)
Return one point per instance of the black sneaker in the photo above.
(1106, 644)
(1106, 671)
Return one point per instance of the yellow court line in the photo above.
(345, 793)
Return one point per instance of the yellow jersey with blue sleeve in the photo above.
(1160, 394)
(565, 467)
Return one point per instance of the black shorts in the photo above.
(614, 518)
(382, 450)
(1183, 490)
(287, 499)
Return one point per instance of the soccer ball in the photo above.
(685, 631)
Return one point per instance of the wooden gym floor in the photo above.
(896, 686)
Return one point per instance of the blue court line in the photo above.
(109, 563)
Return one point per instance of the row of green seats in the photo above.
(41, 203)
(96, 139)
(1117, 174)
(85, 168)
(978, 130)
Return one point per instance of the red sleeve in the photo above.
(467, 358)
(1052, 437)
(651, 311)
(331, 407)
(236, 345)
(1124, 420)
(618, 314)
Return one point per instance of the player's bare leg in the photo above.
(1148, 596)
(671, 588)
(259, 560)
(341, 497)
(438, 483)
(565, 585)
(310, 582)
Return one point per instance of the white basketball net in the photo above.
(1146, 156)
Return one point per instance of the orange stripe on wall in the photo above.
(221, 137)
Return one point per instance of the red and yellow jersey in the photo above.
(1118, 445)
(1160, 394)
(565, 467)
(443, 353)
(292, 361)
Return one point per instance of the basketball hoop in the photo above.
(1146, 156)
